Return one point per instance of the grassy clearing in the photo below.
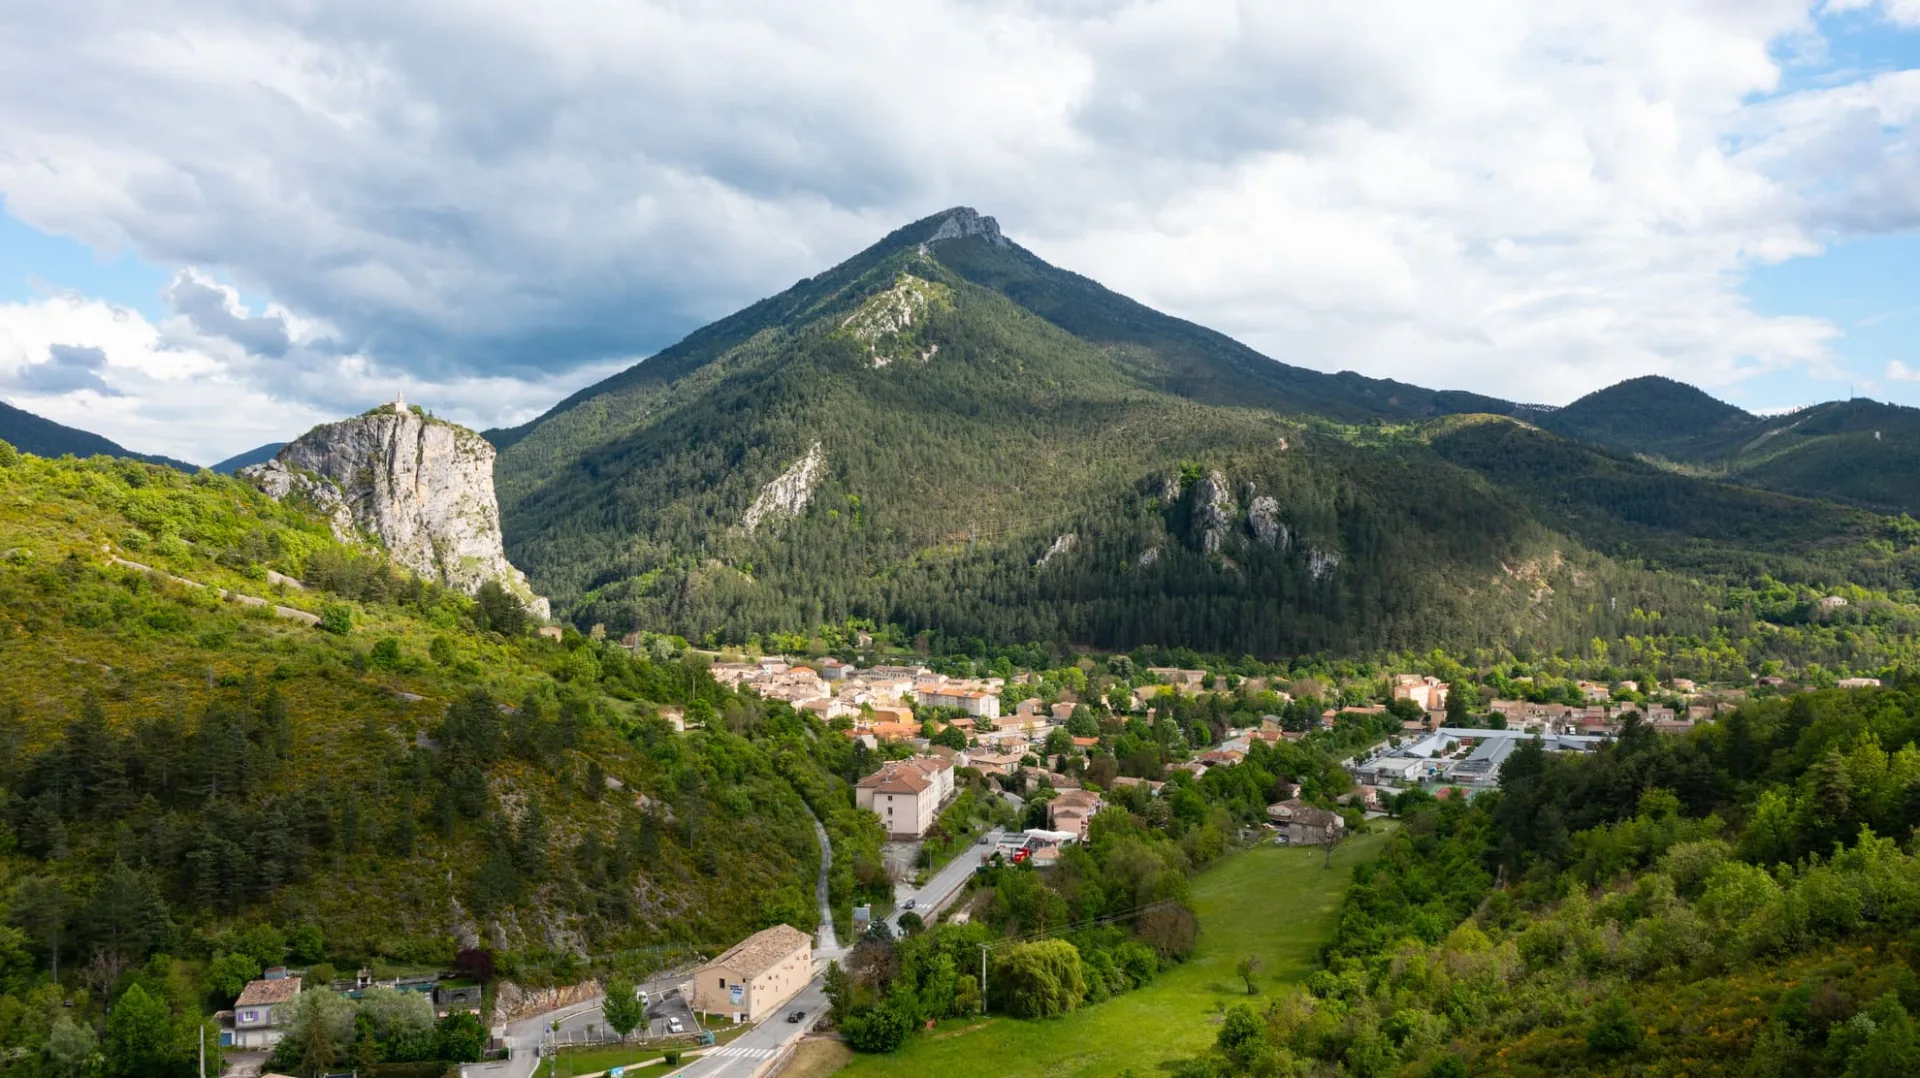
(1278, 904)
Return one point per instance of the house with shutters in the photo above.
(259, 1015)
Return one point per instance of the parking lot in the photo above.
(670, 1005)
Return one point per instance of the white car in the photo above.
(674, 1026)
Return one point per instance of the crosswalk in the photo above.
(738, 1052)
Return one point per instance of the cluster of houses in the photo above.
(258, 1017)
(751, 980)
(876, 695)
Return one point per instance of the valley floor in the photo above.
(1278, 904)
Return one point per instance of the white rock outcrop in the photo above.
(789, 492)
(1061, 547)
(1263, 518)
(1321, 565)
(964, 221)
(1213, 511)
(421, 487)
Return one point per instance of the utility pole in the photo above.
(983, 978)
(203, 1051)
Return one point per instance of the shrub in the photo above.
(1613, 1030)
(1042, 979)
(386, 654)
(337, 618)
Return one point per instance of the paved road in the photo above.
(928, 900)
(526, 1034)
(828, 945)
(763, 1042)
(756, 1046)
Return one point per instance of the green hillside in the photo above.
(1654, 416)
(1858, 452)
(413, 774)
(954, 410)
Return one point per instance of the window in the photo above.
(723, 982)
(249, 1016)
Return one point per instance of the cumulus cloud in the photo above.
(68, 368)
(170, 387)
(216, 311)
(1525, 199)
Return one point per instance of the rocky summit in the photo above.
(420, 486)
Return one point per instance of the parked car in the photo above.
(674, 1026)
(796, 1016)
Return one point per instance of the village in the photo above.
(926, 726)
(1043, 755)
(931, 736)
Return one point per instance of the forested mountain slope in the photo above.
(386, 765)
(1860, 452)
(949, 434)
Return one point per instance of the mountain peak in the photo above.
(963, 221)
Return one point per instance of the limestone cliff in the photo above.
(421, 487)
(789, 492)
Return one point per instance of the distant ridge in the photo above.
(43, 437)
(256, 455)
(1652, 415)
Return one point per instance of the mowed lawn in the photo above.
(1279, 904)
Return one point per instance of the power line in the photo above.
(1080, 926)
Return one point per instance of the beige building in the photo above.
(981, 705)
(906, 794)
(1073, 810)
(755, 976)
(1430, 693)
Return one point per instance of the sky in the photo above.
(224, 221)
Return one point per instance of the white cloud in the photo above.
(174, 388)
(1898, 12)
(500, 199)
(1900, 372)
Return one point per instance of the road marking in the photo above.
(744, 1053)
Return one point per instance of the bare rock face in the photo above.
(789, 492)
(1321, 565)
(1213, 511)
(964, 221)
(421, 487)
(1060, 547)
(1263, 517)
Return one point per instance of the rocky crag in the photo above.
(421, 487)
